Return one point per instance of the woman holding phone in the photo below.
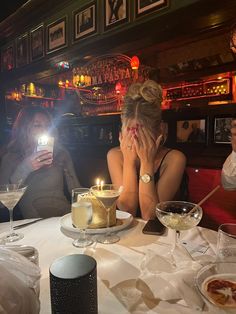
(44, 171)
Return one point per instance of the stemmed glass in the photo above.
(10, 194)
(82, 215)
(178, 215)
(107, 194)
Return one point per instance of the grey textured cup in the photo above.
(73, 285)
(226, 243)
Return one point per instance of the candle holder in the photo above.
(107, 194)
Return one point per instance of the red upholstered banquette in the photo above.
(220, 207)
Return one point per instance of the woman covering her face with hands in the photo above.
(148, 171)
(43, 172)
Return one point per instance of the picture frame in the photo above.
(85, 21)
(115, 13)
(103, 134)
(8, 57)
(37, 43)
(22, 50)
(57, 35)
(191, 131)
(221, 133)
(147, 6)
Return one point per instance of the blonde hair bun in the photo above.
(150, 91)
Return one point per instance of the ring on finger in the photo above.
(38, 159)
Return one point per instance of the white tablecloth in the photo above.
(119, 264)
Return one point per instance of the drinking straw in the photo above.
(204, 199)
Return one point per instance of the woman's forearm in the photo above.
(128, 199)
(148, 197)
(21, 173)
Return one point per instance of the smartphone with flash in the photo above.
(154, 226)
(45, 142)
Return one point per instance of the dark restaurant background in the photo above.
(75, 59)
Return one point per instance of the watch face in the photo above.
(146, 178)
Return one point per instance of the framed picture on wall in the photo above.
(116, 13)
(37, 43)
(57, 35)
(22, 50)
(103, 134)
(222, 126)
(191, 131)
(8, 58)
(85, 21)
(147, 6)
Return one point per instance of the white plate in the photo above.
(123, 217)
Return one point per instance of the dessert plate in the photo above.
(123, 220)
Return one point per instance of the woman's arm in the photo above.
(69, 172)
(228, 175)
(123, 173)
(165, 189)
(171, 175)
(15, 170)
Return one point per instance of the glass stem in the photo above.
(11, 221)
(108, 221)
(83, 234)
(176, 239)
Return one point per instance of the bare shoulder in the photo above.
(175, 156)
(115, 154)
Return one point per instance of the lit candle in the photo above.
(97, 181)
(102, 183)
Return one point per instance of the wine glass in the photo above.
(82, 215)
(107, 194)
(10, 194)
(178, 215)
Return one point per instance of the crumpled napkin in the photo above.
(19, 282)
(172, 278)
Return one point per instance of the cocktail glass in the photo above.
(178, 215)
(10, 194)
(82, 215)
(107, 194)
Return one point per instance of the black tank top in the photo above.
(183, 189)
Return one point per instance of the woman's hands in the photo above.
(39, 159)
(146, 145)
(127, 146)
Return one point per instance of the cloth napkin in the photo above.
(19, 284)
(173, 277)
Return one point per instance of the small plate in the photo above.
(123, 219)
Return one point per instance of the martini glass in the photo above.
(10, 194)
(107, 194)
(178, 216)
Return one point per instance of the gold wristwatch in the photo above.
(146, 178)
